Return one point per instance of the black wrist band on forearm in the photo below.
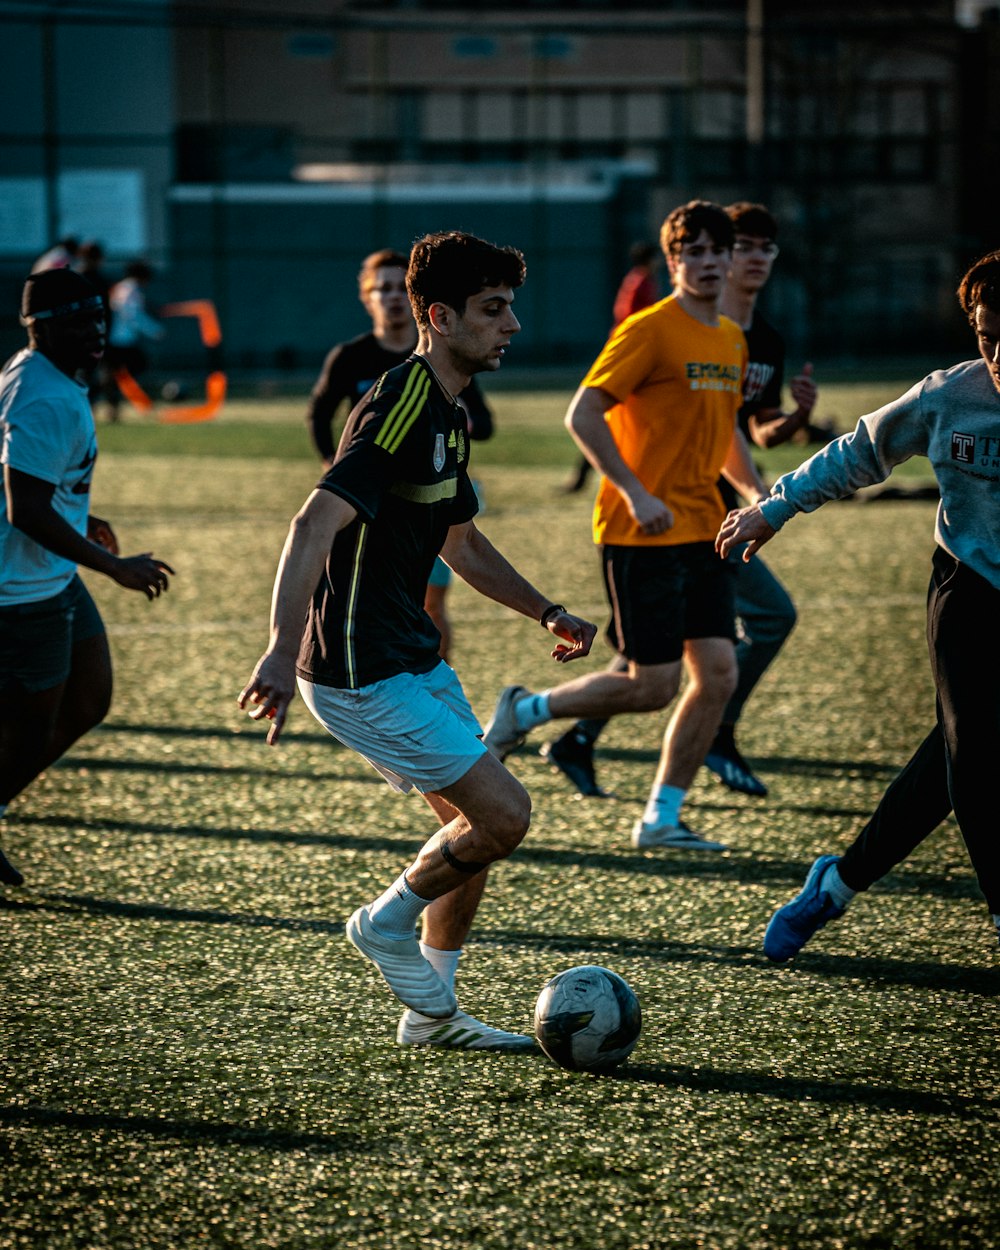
(552, 610)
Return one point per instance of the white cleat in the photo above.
(458, 1032)
(678, 835)
(406, 972)
(502, 733)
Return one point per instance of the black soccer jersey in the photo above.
(762, 383)
(403, 464)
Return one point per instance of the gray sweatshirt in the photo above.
(953, 418)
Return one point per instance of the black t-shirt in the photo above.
(351, 370)
(403, 464)
(762, 383)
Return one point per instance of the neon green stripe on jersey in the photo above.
(416, 406)
(352, 601)
(403, 412)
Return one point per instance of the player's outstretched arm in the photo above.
(271, 687)
(474, 558)
(744, 525)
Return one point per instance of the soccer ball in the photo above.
(587, 1019)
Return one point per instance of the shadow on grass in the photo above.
(735, 868)
(582, 947)
(791, 764)
(228, 734)
(588, 948)
(272, 1139)
(98, 764)
(800, 1089)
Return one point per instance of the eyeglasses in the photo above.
(743, 247)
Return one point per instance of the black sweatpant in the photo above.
(957, 766)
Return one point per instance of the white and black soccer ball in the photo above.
(588, 1019)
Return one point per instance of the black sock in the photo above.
(586, 732)
(725, 738)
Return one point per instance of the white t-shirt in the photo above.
(46, 430)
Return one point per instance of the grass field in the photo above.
(196, 1057)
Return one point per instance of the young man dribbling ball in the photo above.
(349, 627)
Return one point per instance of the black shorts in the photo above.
(37, 639)
(661, 596)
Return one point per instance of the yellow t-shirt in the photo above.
(678, 384)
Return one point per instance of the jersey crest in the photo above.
(438, 453)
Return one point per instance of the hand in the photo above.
(650, 514)
(743, 525)
(804, 390)
(575, 630)
(99, 531)
(271, 689)
(143, 573)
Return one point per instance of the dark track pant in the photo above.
(957, 766)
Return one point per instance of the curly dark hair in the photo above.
(981, 285)
(685, 223)
(447, 268)
(752, 219)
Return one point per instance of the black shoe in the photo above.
(574, 757)
(724, 759)
(8, 873)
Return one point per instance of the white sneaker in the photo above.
(407, 973)
(502, 733)
(458, 1032)
(678, 835)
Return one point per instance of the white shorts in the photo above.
(418, 731)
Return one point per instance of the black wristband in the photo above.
(552, 610)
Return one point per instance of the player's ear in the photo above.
(441, 318)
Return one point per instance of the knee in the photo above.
(717, 680)
(508, 821)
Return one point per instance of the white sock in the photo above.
(532, 710)
(396, 912)
(444, 963)
(664, 806)
(834, 886)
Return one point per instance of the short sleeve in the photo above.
(626, 361)
(363, 470)
(35, 441)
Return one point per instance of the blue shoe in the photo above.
(794, 924)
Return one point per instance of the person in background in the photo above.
(61, 255)
(763, 606)
(130, 326)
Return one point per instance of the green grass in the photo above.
(195, 1057)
